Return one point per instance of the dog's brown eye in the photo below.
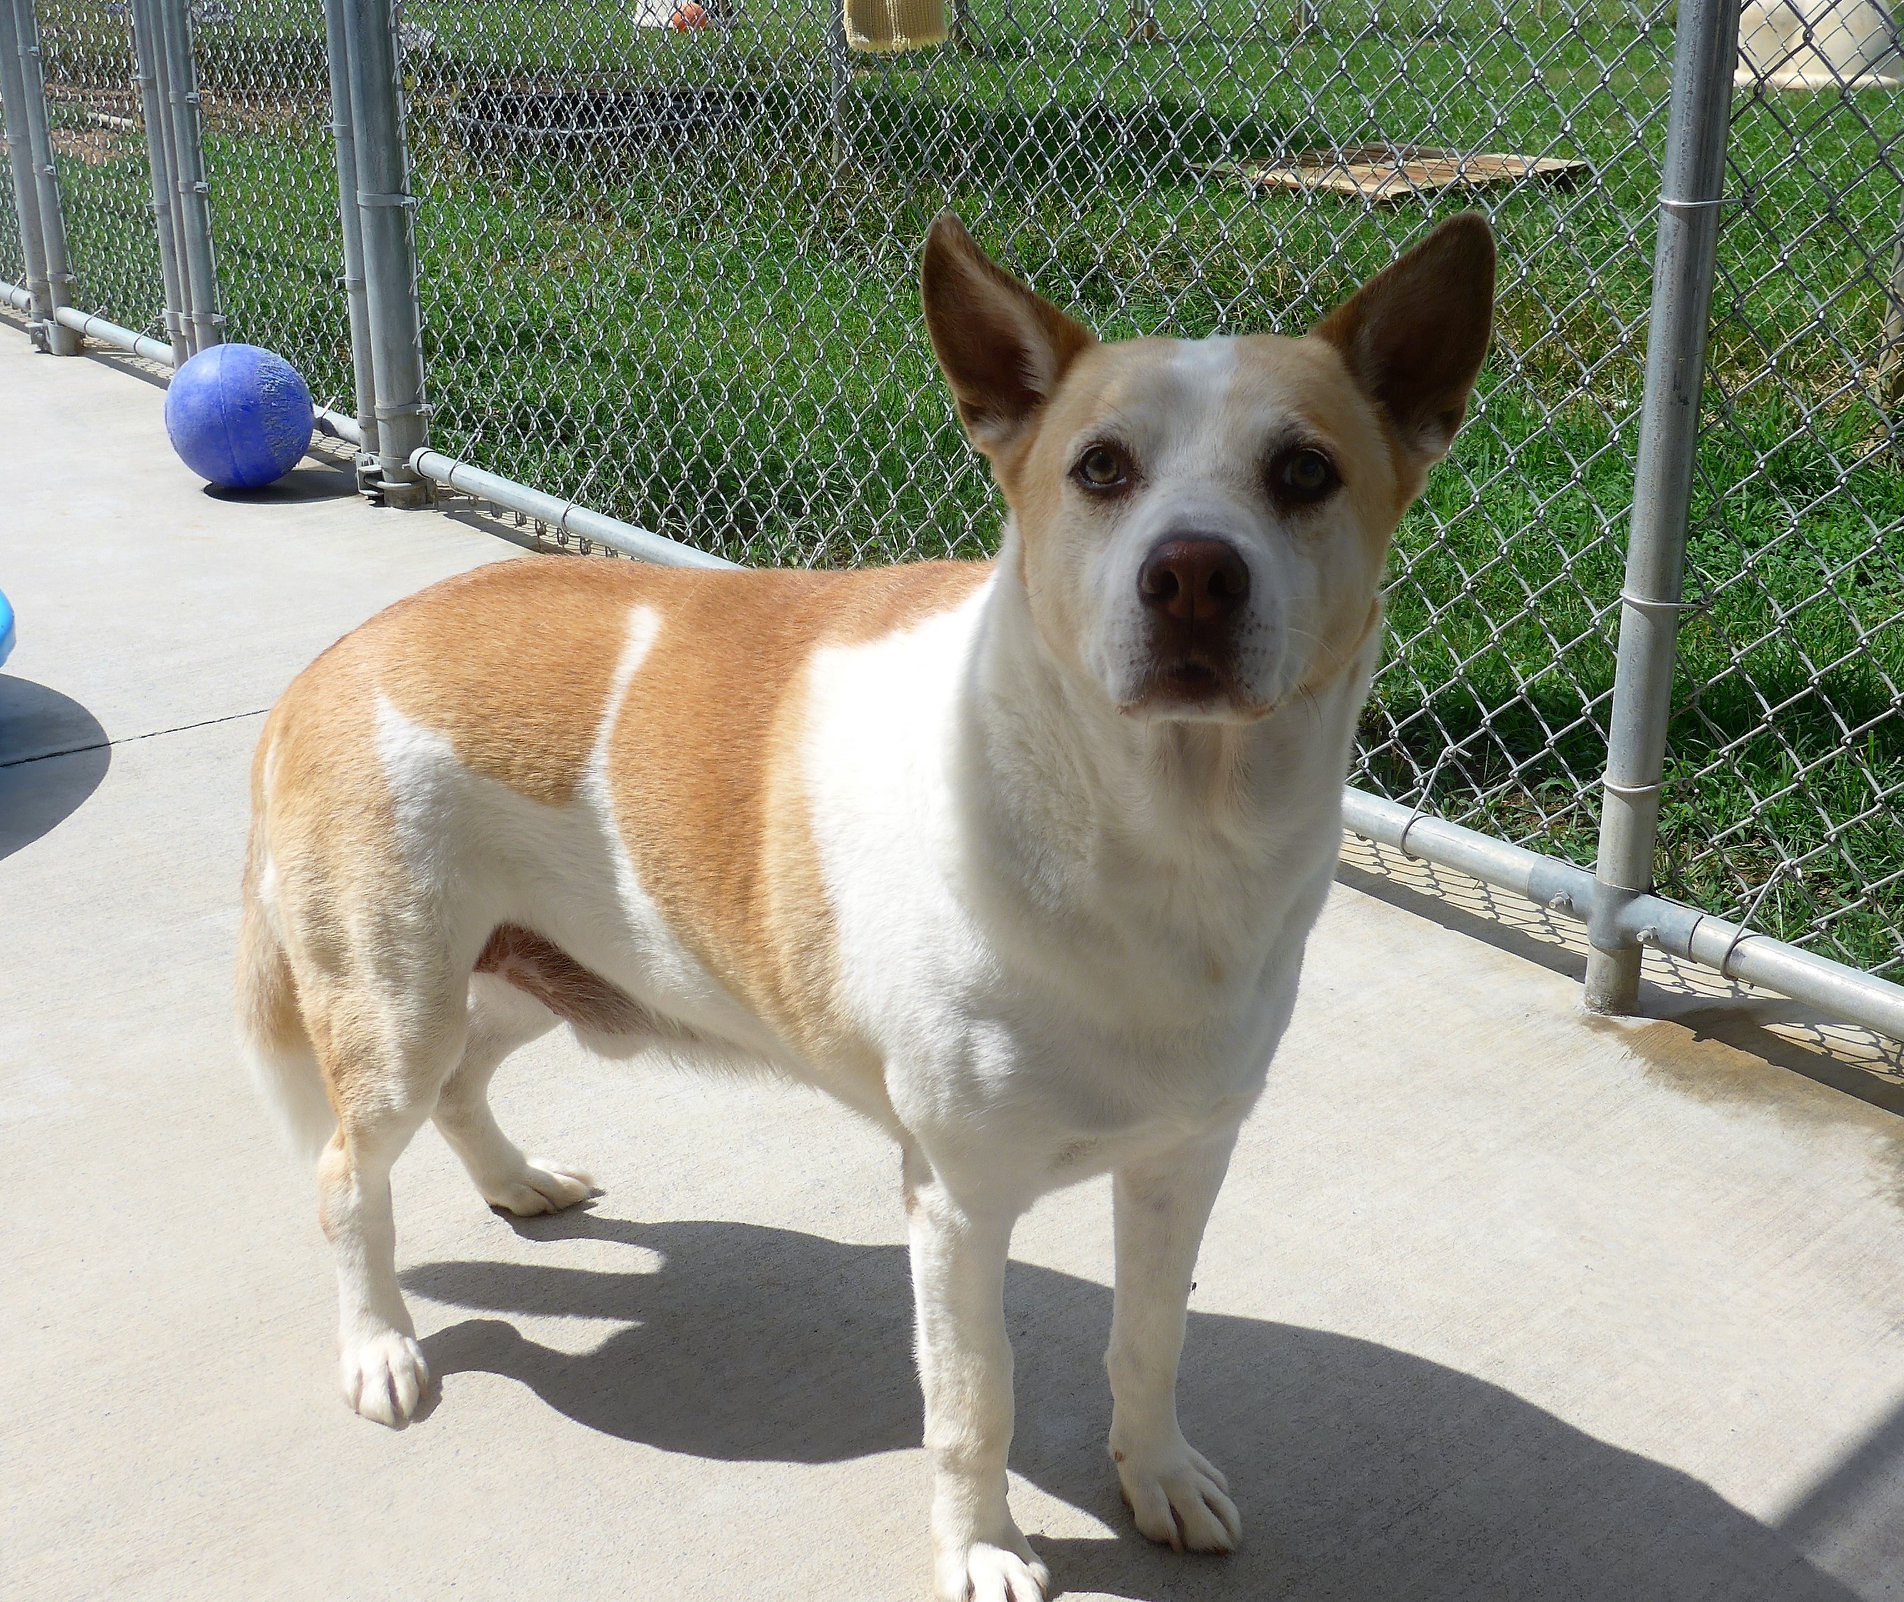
(1307, 475)
(1102, 468)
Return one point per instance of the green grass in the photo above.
(720, 339)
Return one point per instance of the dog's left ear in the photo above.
(1003, 348)
(1414, 335)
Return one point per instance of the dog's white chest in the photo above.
(1073, 997)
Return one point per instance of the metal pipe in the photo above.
(26, 195)
(1559, 886)
(361, 356)
(153, 350)
(158, 150)
(159, 352)
(384, 203)
(1668, 926)
(559, 514)
(337, 425)
(39, 137)
(188, 155)
(87, 326)
(1692, 181)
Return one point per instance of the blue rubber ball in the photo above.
(238, 416)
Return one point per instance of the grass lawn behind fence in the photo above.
(717, 336)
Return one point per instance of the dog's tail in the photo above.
(270, 1022)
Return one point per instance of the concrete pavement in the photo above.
(1496, 1304)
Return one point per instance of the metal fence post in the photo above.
(1891, 346)
(161, 135)
(839, 72)
(198, 274)
(58, 278)
(158, 148)
(26, 195)
(1692, 181)
(363, 371)
(384, 204)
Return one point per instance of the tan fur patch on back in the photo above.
(515, 663)
(718, 823)
(512, 664)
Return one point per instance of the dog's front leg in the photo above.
(959, 1240)
(1161, 1207)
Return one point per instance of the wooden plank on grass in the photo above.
(1389, 173)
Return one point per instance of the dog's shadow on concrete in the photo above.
(1364, 1474)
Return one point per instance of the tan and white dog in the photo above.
(1016, 858)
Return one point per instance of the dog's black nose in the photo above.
(1194, 578)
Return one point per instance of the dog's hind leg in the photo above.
(502, 1017)
(385, 1054)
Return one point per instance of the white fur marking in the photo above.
(644, 624)
(1208, 366)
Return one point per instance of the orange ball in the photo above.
(688, 17)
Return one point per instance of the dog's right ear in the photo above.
(1415, 334)
(1003, 348)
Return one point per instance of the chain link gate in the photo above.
(665, 258)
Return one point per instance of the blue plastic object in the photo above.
(6, 628)
(239, 416)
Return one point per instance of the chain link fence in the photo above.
(665, 258)
(270, 156)
(98, 137)
(12, 251)
(12, 257)
(671, 273)
(1787, 743)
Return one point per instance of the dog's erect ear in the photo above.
(1414, 335)
(1002, 347)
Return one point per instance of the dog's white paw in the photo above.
(983, 1572)
(541, 1187)
(1179, 1498)
(384, 1377)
